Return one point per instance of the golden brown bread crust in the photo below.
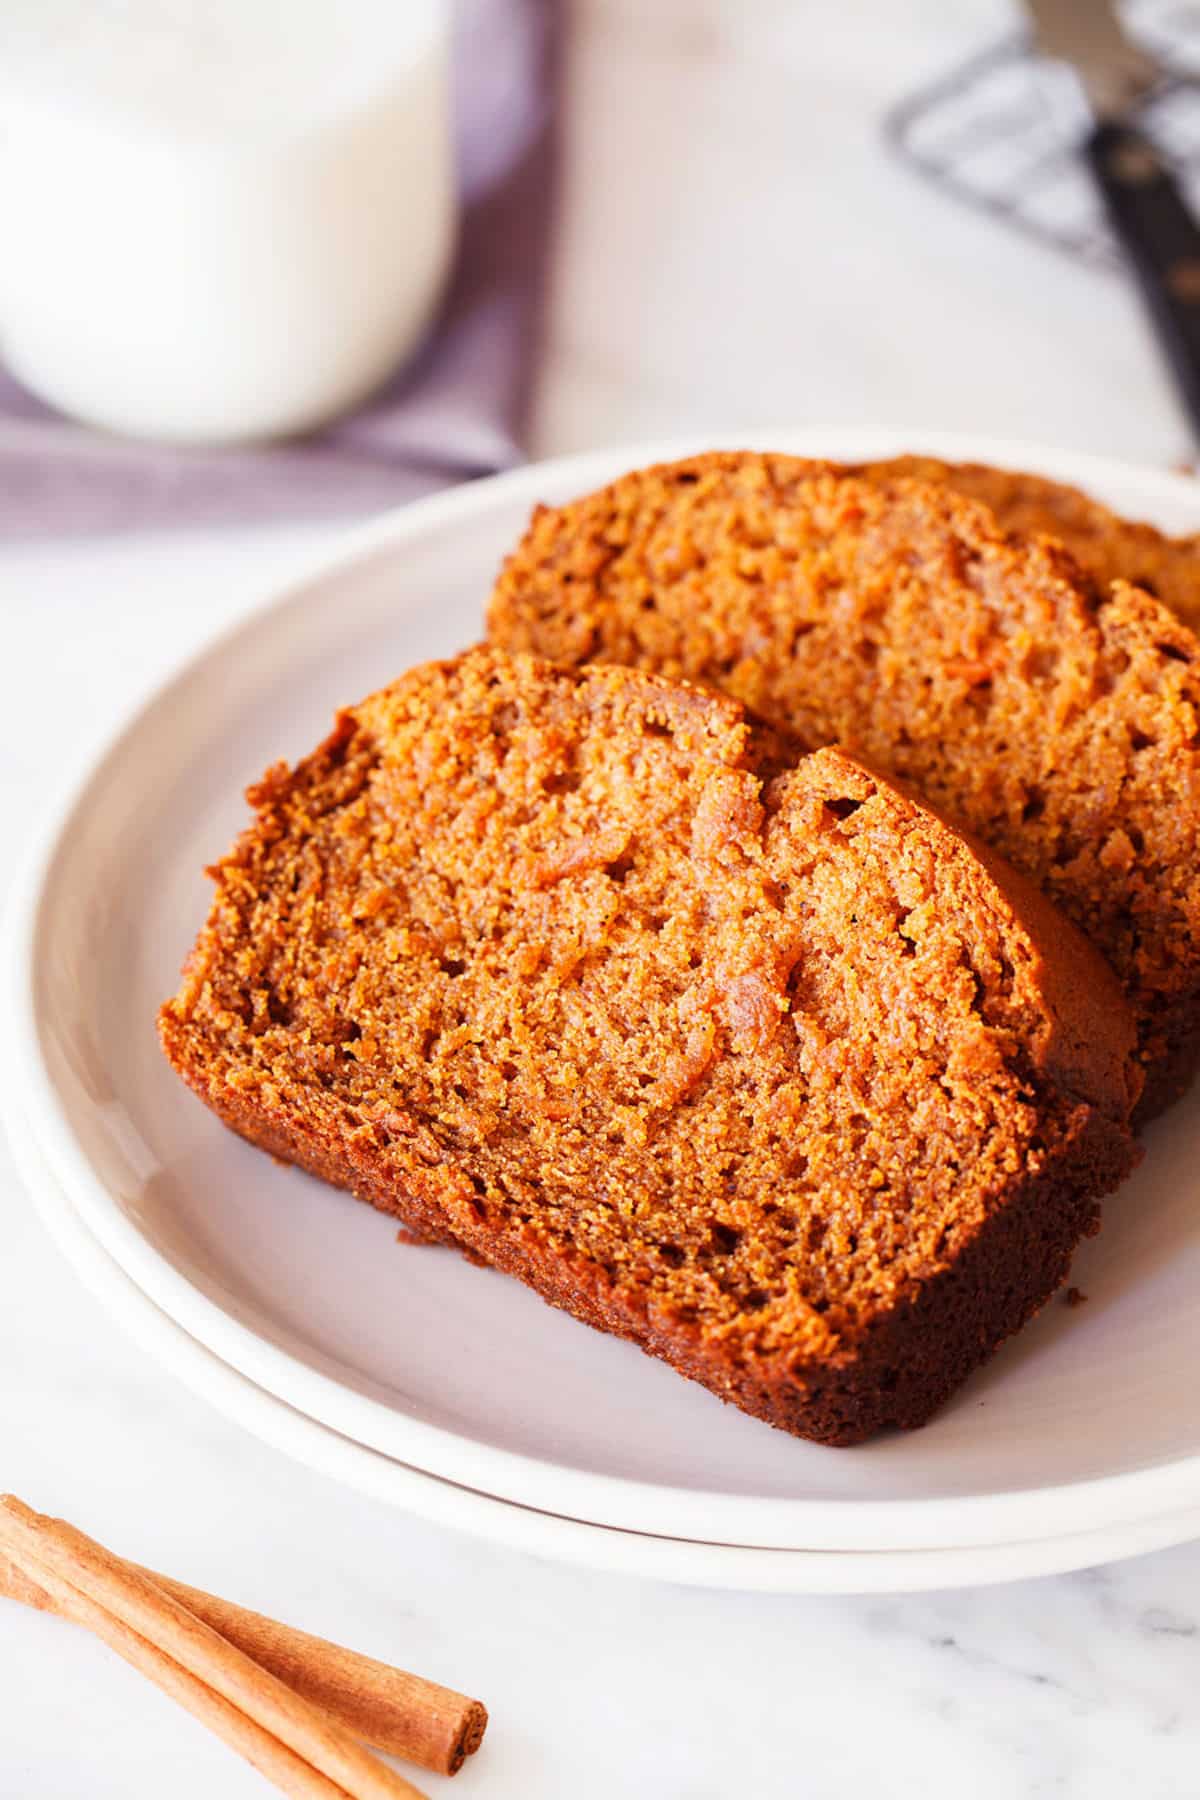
(1057, 722)
(1109, 547)
(775, 1080)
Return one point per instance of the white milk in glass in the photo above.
(221, 219)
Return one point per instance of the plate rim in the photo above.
(743, 1520)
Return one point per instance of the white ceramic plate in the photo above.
(1090, 1419)
(544, 1534)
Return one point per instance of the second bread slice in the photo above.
(1059, 722)
(1110, 547)
(775, 1076)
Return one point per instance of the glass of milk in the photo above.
(221, 219)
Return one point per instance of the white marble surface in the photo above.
(736, 249)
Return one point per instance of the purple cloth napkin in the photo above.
(457, 410)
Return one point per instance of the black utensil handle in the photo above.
(1161, 238)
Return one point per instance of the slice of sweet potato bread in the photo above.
(783, 1082)
(1058, 720)
(1110, 547)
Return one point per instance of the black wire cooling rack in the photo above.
(1002, 131)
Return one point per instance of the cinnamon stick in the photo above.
(273, 1760)
(417, 1720)
(294, 1744)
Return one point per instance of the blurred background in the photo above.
(740, 244)
(227, 225)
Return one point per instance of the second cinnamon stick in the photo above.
(304, 1750)
(407, 1716)
(417, 1720)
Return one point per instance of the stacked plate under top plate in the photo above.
(450, 1389)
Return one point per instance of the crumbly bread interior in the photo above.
(1058, 720)
(1108, 546)
(539, 952)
